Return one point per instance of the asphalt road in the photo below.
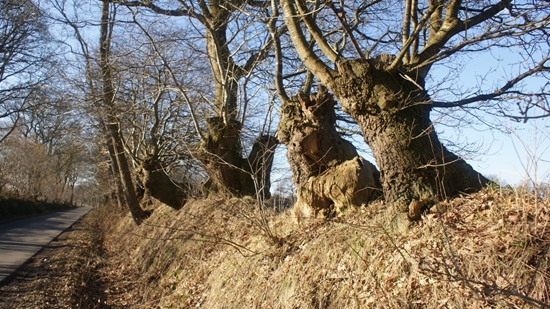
(21, 239)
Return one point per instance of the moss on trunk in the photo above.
(393, 112)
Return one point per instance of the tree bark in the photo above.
(113, 127)
(260, 163)
(115, 172)
(328, 173)
(229, 172)
(393, 112)
(159, 185)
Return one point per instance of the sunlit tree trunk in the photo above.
(394, 116)
(112, 124)
(328, 173)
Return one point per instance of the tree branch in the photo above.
(410, 41)
(159, 10)
(279, 86)
(310, 59)
(505, 89)
(341, 15)
(451, 26)
(315, 32)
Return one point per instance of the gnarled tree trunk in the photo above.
(393, 112)
(158, 184)
(221, 154)
(328, 173)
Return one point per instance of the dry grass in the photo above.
(488, 250)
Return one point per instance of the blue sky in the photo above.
(519, 156)
(511, 151)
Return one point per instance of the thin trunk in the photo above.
(115, 172)
(328, 173)
(72, 194)
(112, 122)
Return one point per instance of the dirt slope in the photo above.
(488, 250)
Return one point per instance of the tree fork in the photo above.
(221, 154)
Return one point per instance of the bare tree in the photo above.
(52, 121)
(376, 56)
(111, 122)
(139, 130)
(25, 52)
(221, 149)
(158, 128)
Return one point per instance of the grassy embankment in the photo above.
(487, 250)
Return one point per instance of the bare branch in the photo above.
(150, 5)
(310, 59)
(341, 15)
(505, 89)
(174, 79)
(279, 87)
(405, 49)
(406, 27)
(315, 31)
(451, 26)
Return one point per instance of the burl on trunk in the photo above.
(328, 173)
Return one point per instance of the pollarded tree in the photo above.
(224, 26)
(376, 57)
(328, 172)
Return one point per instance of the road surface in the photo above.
(21, 239)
